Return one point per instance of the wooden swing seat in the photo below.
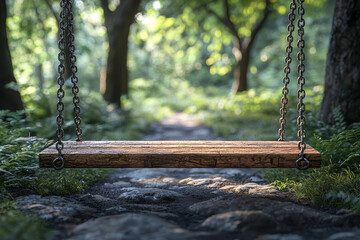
(179, 154)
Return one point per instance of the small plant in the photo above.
(337, 183)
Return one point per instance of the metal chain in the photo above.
(59, 162)
(286, 79)
(302, 163)
(66, 26)
(74, 78)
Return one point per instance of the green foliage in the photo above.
(19, 162)
(18, 151)
(342, 150)
(326, 187)
(246, 116)
(66, 182)
(337, 183)
(99, 121)
(15, 224)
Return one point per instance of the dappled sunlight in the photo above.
(251, 185)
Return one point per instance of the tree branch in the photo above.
(53, 12)
(108, 14)
(259, 26)
(226, 21)
(105, 7)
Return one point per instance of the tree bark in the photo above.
(242, 57)
(115, 83)
(342, 78)
(9, 98)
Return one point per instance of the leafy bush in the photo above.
(18, 151)
(334, 188)
(337, 183)
(19, 162)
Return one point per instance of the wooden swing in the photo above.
(180, 154)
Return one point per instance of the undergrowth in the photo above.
(19, 162)
(19, 170)
(337, 183)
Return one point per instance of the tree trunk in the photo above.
(240, 71)
(242, 56)
(116, 73)
(40, 77)
(118, 22)
(9, 98)
(342, 79)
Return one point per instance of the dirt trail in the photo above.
(189, 203)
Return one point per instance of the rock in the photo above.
(256, 179)
(150, 195)
(203, 181)
(117, 184)
(161, 214)
(289, 215)
(158, 181)
(147, 207)
(280, 237)
(355, 235)
(228, 188)
(223, 204)
(239, 221)
(115, 210)
(100, 198)
(55, 208)
(251, 188)
(131, 226)
(145, 173)
(121, 184)
(297, 215)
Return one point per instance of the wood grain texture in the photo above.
(179, 154)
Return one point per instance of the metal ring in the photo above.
(299, 163)
(57, 160)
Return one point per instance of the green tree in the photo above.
(226, 21)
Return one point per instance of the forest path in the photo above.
(191, 203)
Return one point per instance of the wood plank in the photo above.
(179, 154)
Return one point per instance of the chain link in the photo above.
(286, 79)
(66, 26)
(59, 162)
(302, 163)
(74, 78)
